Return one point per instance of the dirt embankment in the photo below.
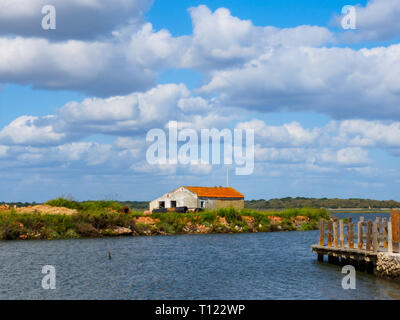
(43, 208)
(220, 225)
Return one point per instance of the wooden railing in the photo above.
(371, 236)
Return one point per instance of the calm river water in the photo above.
(277, 265)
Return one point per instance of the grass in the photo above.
(84, 206)
(100, 218)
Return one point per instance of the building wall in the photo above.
(236, 204)
(182, 196)
(210, 203)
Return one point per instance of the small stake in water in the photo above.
(109, 255)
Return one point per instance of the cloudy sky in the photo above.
(76, 102)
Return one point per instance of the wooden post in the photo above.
(360, 235)
(395, 226)
(385, 232)
(375, 237)
(335, 234)
(350, 234)
(378, 221)
(393, 220)
(369, 235)
(321, 232)
(395, 236)
(389, 237)
(330, 233)
(341, 231)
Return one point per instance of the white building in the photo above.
(200, 197)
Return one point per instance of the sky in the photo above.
(77, 101)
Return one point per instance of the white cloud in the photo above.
(3, 151)
(75, 19)
(345, 157)
(340, 82)
(289, 134)
(27, 130)
(368, 133)
(377, 21)
(128, 63)
(132, 113)
(90, 152)
(352, 156)
(221, 40)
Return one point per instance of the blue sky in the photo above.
(76, 102)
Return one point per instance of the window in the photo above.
(161, 204)
(202, 203)
(173, 204)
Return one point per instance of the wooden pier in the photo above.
(357, 243)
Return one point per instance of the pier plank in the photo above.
(378, 227)
(330, 227)
(385, 232)
(350, 234)
(375, 237)
(341, 231)
(321, 232)
(360, 240)
(335, 234)
(369, 236)
(390, 244)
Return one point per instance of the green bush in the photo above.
(63, 202)
(230, 214)
(85, 205)
(71, 234)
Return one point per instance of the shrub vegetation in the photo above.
(100, 218)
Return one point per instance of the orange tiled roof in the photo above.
(216, 192)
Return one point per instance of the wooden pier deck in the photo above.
(355, 243)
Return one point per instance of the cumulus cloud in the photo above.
(221, 40)
(377, 21)
(130, 115)
(367, 133)
(27, 130)
(289, 134)
(131, 57)
(318, 157)
(335, 134)
(340, 82)
(75, 19)
(102, 68)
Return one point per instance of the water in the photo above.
(277, 265)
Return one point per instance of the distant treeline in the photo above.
(19, 204)
(141, 205)
(301, 202)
